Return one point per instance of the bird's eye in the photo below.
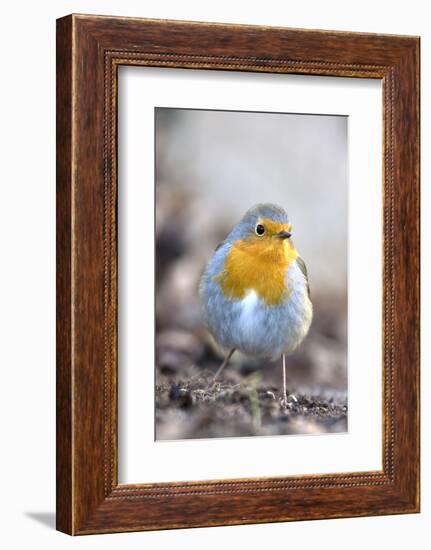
(260, 230)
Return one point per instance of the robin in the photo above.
(254, 292)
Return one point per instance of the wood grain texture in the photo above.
(90, 49)
(64, 496)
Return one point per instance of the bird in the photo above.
(254, 291)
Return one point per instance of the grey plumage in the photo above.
(250, 325)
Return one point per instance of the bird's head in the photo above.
(264, 229)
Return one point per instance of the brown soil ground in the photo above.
(243, 402)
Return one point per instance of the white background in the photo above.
(141, 458)
(27, 206)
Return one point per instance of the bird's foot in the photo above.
(288, 400)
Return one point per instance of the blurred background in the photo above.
(211, 166)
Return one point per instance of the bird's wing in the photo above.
(303, 268)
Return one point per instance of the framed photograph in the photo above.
(237, 274)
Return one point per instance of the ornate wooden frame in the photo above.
(89, 51)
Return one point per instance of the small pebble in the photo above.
(181, 396)
(270, 394)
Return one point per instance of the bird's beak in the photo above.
(284, 235)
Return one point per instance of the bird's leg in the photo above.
(222, 366)
(284, 380)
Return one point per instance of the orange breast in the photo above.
(259, 265)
